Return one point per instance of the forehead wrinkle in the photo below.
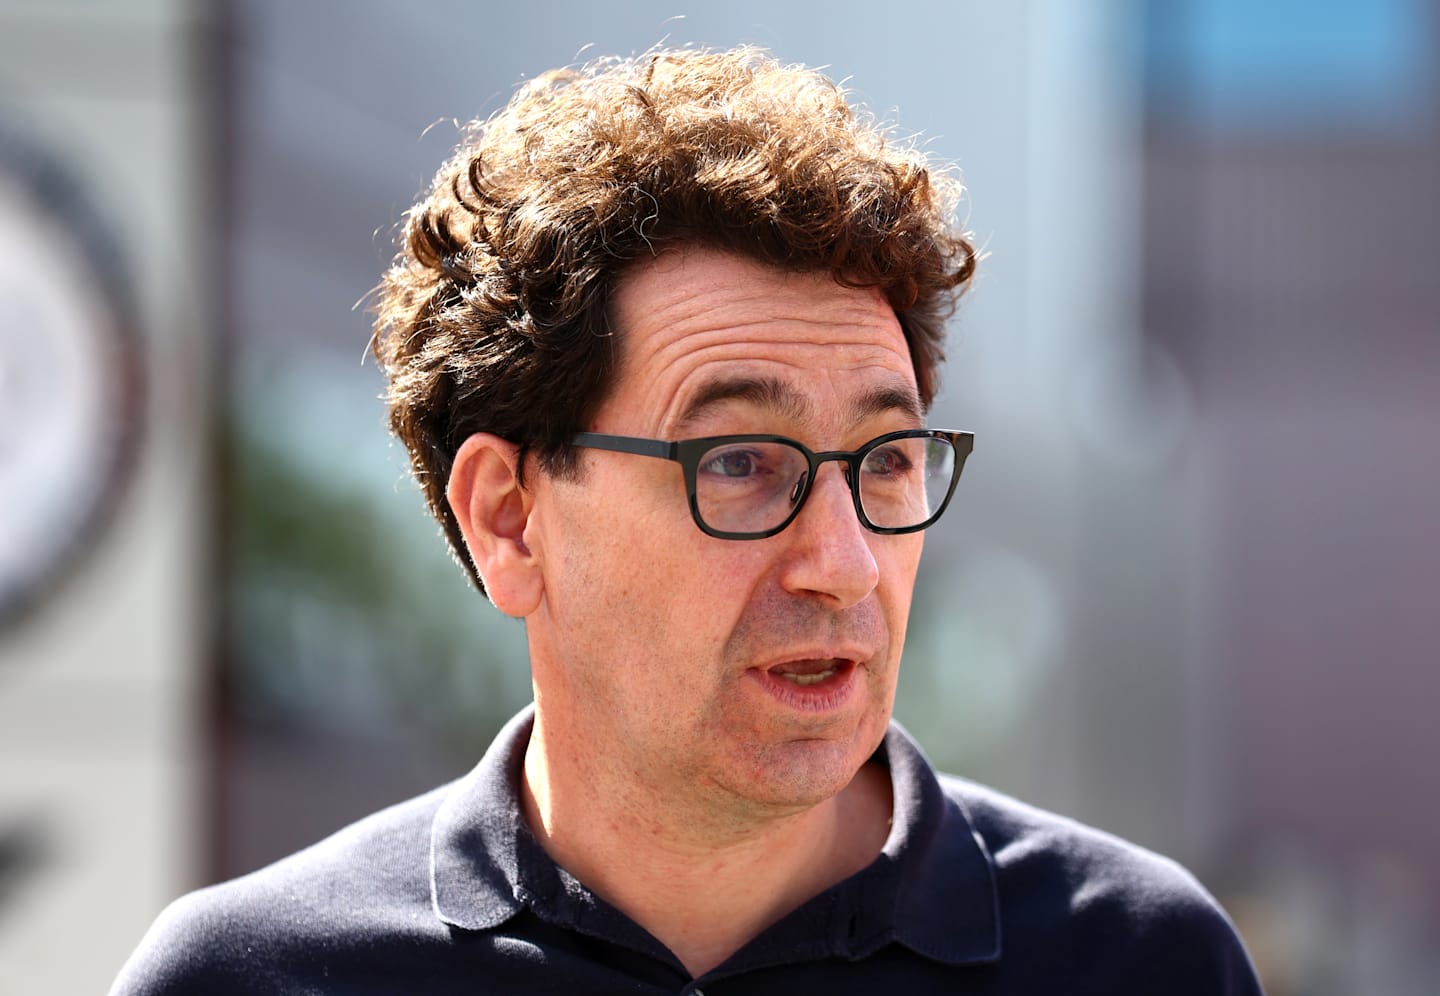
(788, 401)
(701, 335)
(858, 350)
(736, 321)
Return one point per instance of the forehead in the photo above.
(695, 324)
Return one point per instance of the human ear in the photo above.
(492, 509)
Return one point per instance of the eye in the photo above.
(886, 461)
(731, 463)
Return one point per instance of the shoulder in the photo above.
(1121, 910)
(261, 932)
(1034, 845)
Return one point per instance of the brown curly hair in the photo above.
(494, 314)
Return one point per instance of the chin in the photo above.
(806, 773)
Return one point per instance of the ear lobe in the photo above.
(492, 510)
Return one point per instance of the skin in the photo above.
(663, 725)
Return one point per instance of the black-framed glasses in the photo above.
(752, 486)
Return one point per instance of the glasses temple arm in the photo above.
(625, 444)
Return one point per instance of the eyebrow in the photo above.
(782, 399)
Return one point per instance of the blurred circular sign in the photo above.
(69, 374)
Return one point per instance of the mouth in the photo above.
(810, 672)
(811, 684)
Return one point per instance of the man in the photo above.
(660, 341)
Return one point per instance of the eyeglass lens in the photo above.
(753, 486)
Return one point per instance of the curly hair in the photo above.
(493, 316)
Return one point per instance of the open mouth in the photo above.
(809, 679)
(811, 684)
(810, 672)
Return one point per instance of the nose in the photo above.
(829, 552)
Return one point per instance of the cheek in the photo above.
(634, 573)
(898, 567)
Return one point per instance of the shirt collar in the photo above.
(946, 904)
(478, 835)
(932, 888)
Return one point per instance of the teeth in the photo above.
(809, 679)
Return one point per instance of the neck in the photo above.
(704, 887)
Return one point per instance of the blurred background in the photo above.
(1189, 590)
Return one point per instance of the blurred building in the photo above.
(1292, 198)
(1187, 590)
(108, 326)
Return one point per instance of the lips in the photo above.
(815, 684)
(813, 658)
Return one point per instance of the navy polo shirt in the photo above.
(451, 893)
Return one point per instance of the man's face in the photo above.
(740, 674)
